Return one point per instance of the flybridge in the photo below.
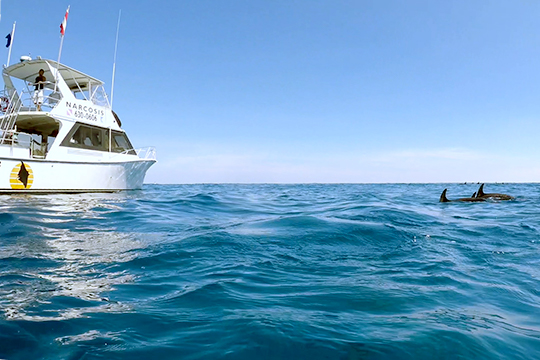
(61, 79)
(67, 92)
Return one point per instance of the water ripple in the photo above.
(271, 271)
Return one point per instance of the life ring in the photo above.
(4, 103)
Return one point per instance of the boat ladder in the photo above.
(7, 123)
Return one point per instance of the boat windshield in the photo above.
(97, 96)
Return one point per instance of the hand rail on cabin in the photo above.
(50, 100)
(145, 153)
(25, 141)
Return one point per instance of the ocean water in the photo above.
(271, 272)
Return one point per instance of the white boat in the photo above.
(71, 142)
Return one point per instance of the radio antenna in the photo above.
(114, 62)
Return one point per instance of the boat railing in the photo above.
(14, 102)
(50, 100)
(146, 153)
(25, 141)
(10, 104)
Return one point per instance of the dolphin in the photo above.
(495, 196)
(471, 199)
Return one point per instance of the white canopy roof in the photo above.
(28, 71)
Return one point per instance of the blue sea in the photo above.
(348, 271)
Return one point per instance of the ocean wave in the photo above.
(345, 271)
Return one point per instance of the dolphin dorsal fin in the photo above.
(481, 191)
(443, 197)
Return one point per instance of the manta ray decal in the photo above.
(23, 175)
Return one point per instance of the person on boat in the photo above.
(38, 91)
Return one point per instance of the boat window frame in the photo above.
(104, 146)
(118, 148)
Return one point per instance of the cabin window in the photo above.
(120, 143)
(87, 137)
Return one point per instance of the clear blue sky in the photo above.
(310, 91)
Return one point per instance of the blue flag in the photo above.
(8, 37)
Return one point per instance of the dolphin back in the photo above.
(494, 196)
(443, 197)
(480, 191)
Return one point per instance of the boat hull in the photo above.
(46, 176)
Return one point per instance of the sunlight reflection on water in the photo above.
(72, 264)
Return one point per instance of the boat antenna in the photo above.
(10, 42)
(114, 61)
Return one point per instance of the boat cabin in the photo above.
(69, 110)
